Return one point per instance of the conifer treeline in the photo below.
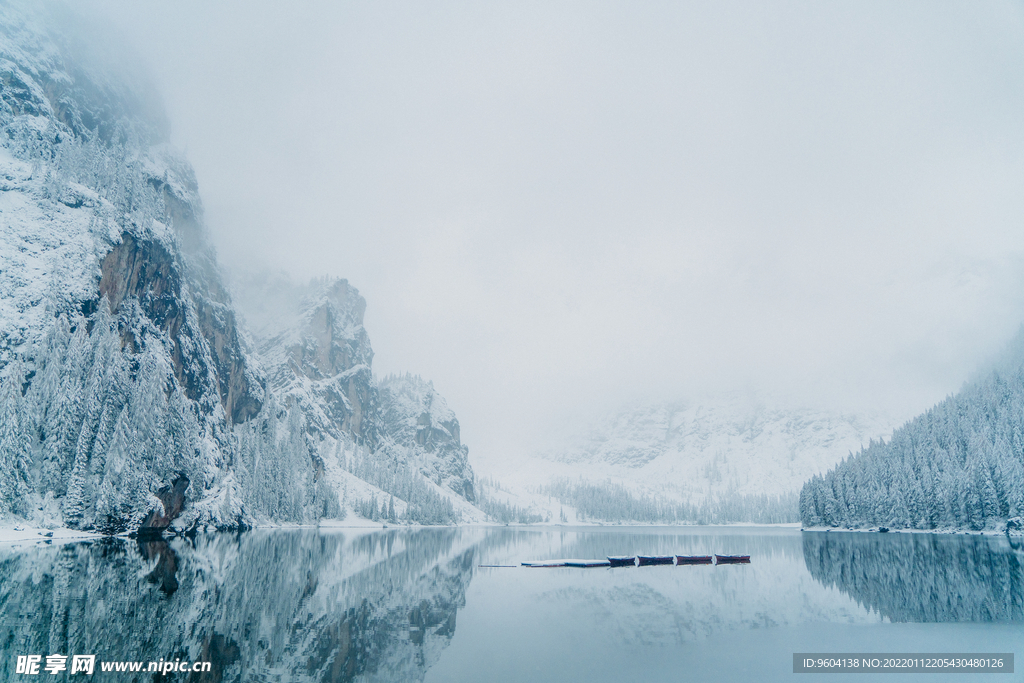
(385, 468)
(97, 430)
(501, 511)
(610, 502)
(959, 465)
(71, 441)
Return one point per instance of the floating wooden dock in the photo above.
(639, 560)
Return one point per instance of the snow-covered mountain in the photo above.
(317, 353)
(735, 447)
(130, 394)
(418, 420)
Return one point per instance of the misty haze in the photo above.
(457, 342)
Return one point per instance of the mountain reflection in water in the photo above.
(264, 605)
(910, 577)
(372, 605)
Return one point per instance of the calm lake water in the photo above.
(412, 605)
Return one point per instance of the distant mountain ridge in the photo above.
(732, 443)
(735, 457)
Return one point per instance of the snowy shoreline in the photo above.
(15, 533)
(874, 530)
(18, 534)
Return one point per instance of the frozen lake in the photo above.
(401, 605)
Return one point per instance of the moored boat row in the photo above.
(643, 561)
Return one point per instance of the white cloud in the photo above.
(555, 207)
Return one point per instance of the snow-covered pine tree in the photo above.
(959, 465)
(45, 385)
(104, 348)
(15, 443)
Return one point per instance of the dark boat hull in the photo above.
(694, 559)
(732, 559)
(587, 564)
(647, 560)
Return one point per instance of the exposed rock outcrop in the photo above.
(319, 355)
(172, 502)
(141, 402)
(207, 355)
(418, 419)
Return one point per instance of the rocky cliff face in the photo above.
(111, 306)
(206, 353)
(319, 355)
(131, 396)
(417, 419)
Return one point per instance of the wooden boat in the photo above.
(732, 559)
(588, 563)
(645, 560)
(544, 563)
(622, 561)
(694, 559)
(566, 563)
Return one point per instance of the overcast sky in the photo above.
(556, 208)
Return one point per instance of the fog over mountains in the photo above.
(960, 465)
(132, 397)
(142, 388)
(733, 458)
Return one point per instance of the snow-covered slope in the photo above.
(397, 435)
(716, 449)
(960, 465)
(122, 363)
(317, 353)
(418, 420)
(130, 396)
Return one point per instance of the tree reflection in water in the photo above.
(322, 605)
(922, 577)
(291, 605)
